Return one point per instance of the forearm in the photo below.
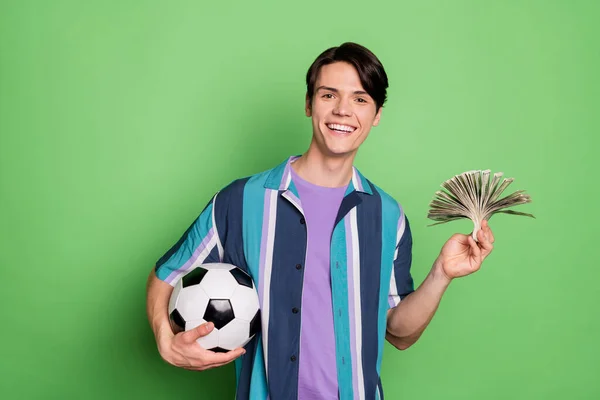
(157, 301)
(407, 321)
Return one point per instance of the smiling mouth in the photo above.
(341, 128)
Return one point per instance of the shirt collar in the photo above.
(280, 178)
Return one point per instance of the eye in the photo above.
(361, 100)
(327, 96)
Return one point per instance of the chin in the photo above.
(340, 152)
(335, 145)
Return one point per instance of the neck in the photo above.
(319, 169)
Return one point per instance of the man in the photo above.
(329, 252)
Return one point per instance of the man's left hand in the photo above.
(461, 255)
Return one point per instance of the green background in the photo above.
(119, 120)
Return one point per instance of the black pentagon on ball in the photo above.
(177, 322)
(255, 324)
(194, 277)
(219, 312)
(241, 277)
(219, 350)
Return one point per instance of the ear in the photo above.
(377, 117)
(308, 106)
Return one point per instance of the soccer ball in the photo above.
(222, 294)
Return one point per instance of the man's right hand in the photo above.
(182, 350)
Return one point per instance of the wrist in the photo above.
(162, 332)
(164, 343)
(438, 273)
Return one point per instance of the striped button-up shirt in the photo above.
(257, 224)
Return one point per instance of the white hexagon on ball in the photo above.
(244, 302)
(192, 302)
(234, 334)
(218, 284)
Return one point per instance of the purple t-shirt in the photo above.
(318, 372)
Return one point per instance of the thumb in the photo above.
(475, 250)
(198, 332)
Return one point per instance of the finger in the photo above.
(199, 358)
(220, 364)
(198, 332)
(206, 366)
(486, 245)
(488, 231)
(482, 236)
(460, 238)
(491, 235)
(214, 358)
(475, 250)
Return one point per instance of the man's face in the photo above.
(342, 112)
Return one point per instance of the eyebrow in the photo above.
(337, 91)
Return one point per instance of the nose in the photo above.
(342, 108)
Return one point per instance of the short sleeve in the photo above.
(199, 244)
(401, 281)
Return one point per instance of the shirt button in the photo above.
(295, 310)
(293, 358)
(302, 221)
(298, 266)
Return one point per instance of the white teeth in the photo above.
(338, 127)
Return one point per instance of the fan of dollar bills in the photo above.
(475, 196)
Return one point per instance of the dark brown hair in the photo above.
(370, 70)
